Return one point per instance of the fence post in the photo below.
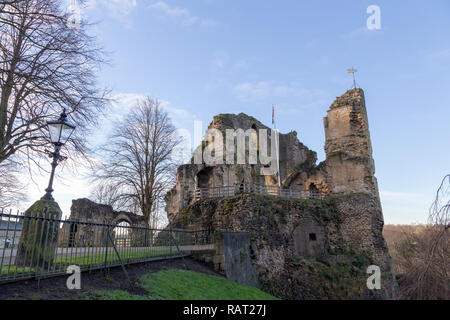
(106, 247)
(170, 241)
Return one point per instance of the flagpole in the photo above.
(352, 71)
(276, 146)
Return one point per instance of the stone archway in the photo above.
(123, 217)
(85, 210)
(122, 233)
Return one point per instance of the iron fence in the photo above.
(40, 246)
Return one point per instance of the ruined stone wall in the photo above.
(348, 168)
(297, 166)
(348, 147)
(85, 210)
(303, 249)
(350, 171)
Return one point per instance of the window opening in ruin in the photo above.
(313, 188)
(204, 178)
(121, 233)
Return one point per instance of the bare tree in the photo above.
(111, 195)
(3, 3)
(423, 256)
(138, 157)
(11, 188)
(45, 66)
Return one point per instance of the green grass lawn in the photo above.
(95, 259)
(187, 285)
(12, 270)
(125, 255)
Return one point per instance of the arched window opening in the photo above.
(122, 234)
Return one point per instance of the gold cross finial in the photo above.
(352, 71)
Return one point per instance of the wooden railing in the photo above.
(229, 191)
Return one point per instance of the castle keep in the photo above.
(348, 168)
(298, 241)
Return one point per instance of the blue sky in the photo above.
(206, 57)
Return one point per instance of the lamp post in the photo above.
(60, 132)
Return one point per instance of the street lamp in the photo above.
(60, 131)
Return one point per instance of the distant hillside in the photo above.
(393, 234)
(420, 259)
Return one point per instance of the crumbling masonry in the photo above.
(299, 245)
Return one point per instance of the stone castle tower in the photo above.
(287, 235)
(348, 148)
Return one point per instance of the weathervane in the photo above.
(352, 71)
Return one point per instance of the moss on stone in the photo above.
(339, 274)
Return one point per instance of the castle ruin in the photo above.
(299, 244)
(348, 168)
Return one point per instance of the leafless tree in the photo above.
(424, 256)
(138, 157)
(11, 188)
(3, 3)
(111, 195)
(45, 66)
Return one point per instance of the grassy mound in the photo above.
(187, 285)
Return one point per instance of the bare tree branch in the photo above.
(11, 188)
(139, 157)
(111, 195)
(45, 66)
(423, 256)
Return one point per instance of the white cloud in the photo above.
(124, 102)
(249, 91)
(117, 9)
(117, 6)
(361, 32)
(181, 15)
(240, 65)
(441, 54)
(220, 60)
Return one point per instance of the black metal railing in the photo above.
(229, 191)
(39, 246)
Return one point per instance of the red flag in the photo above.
(273, 114)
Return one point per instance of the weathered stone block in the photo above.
(39, 238)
